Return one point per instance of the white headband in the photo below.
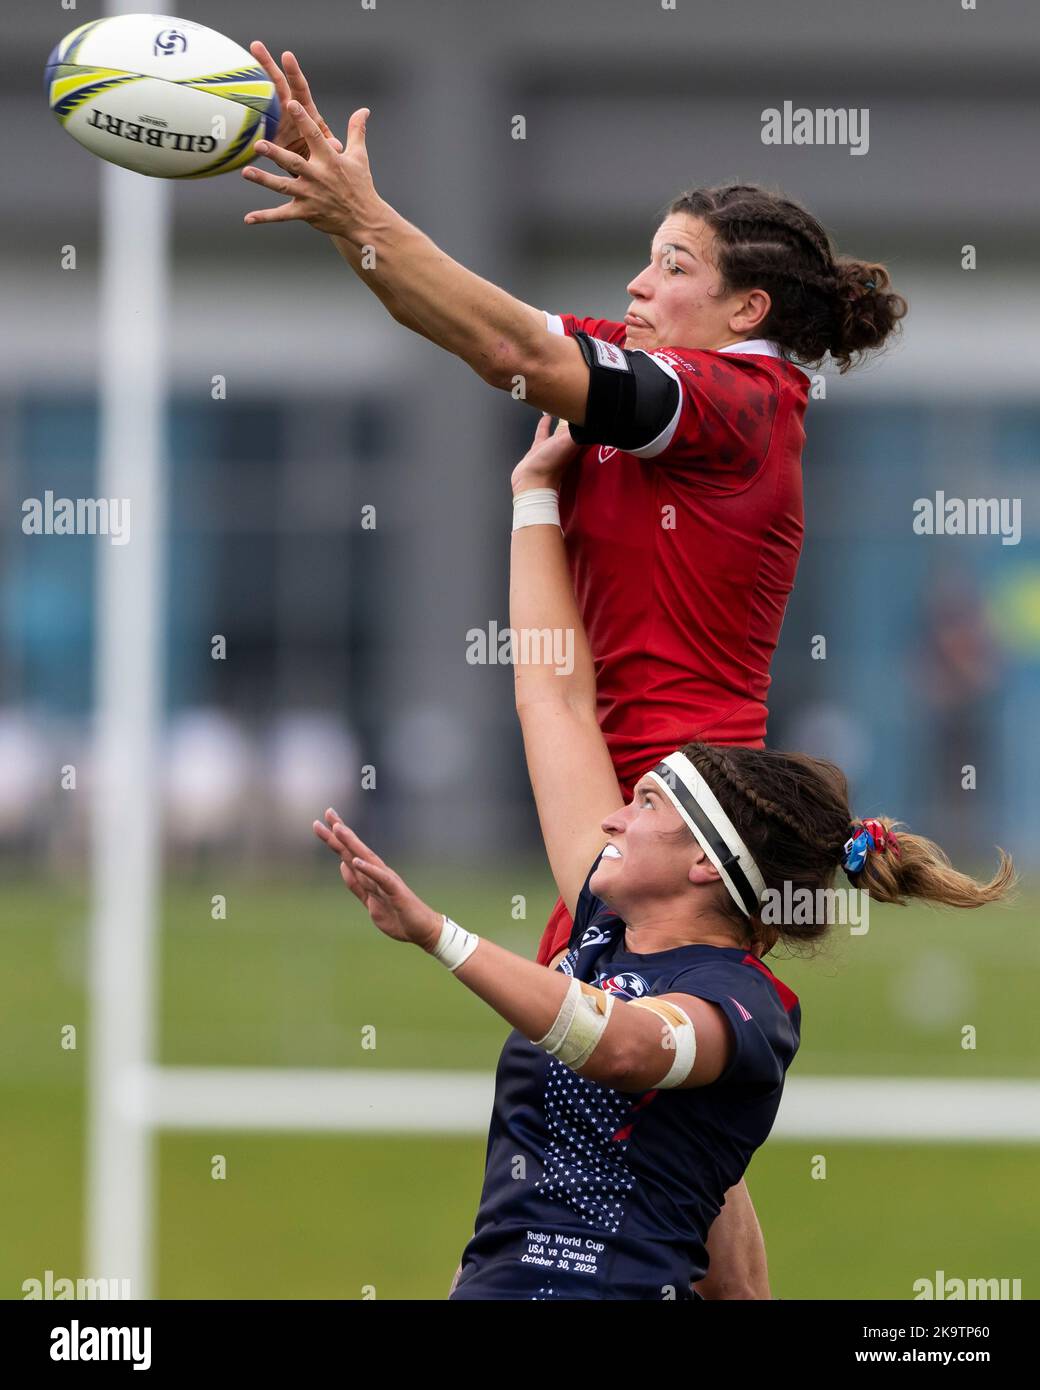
(715, 832)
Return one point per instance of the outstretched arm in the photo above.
(633, 1052)
(505, 341)
(572, 777)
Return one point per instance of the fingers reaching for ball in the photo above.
(291, 85)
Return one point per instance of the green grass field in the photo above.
(296, 972)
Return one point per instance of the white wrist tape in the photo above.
(579, 1025)
(678, 1035)
(538, 506)
(455, 945)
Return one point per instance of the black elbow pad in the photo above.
(631, 399)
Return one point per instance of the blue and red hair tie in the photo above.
(867, 835)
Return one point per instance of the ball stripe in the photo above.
(75, 39)
(218, 78)
(65, 79)
(74, 99)
(241, 151)
(248, 86)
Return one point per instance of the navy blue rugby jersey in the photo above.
(595, 1193)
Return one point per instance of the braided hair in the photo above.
(821, 302)
(792, 812)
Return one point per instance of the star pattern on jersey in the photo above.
(585, 1168)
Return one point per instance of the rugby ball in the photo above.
(160, 95)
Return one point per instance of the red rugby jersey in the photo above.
(683, 554)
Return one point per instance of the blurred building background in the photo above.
(345, 646)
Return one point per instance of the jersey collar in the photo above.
(763, 347)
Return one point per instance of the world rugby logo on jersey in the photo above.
(626, 984)
(170, 41)
(593, 936)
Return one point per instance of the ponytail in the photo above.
(901, 868)
(792, 812)
(866, 310)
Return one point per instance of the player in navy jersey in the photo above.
(647, 1065)
(683, 509)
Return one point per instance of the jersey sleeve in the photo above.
(722, 426)
(762, 1033)
(566, 325)
(631, 397)
(708, 415)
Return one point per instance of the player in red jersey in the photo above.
(683, 551)
(683, 512)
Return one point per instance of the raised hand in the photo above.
(546, 461)
(291, 85)
(331, 188)
(394, 908)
